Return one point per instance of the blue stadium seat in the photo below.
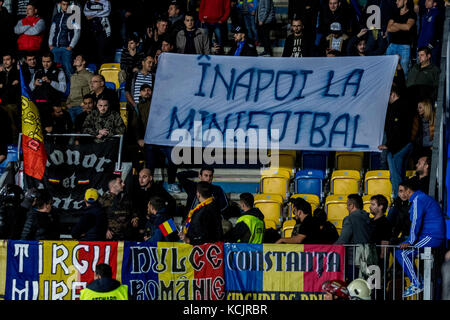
(110, 85)
(118, 55)
(315, 160)
(309, 181)
(92, 67)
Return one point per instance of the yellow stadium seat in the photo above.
(288, 227)
(346, 160)
(271, 205)
(124, 113)
(336, 209)
(283, 159)
(345, 181)
(366, 202)
(276, 181)
(312, 199)
(378, 182)
(111, 72)
(270, 224)
(410, 173)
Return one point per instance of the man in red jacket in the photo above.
(213, 14)
(30, 31)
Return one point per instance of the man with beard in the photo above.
(297, 44)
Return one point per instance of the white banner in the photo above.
(299, 103)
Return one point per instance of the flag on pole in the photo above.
(34, 155)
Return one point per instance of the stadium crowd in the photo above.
(60, 57)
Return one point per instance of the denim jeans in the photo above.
(250, 24)
(74, 111)
(64, 57)
(215, 28)
(404, 51)
(397, 166)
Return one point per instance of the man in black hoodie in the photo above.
(104, 287)
(93, 223)
(249, 227)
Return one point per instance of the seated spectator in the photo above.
(306, 230)
(63, 37)
(399, 216)
(10, 93)
(333, 12)
(204, 222)
(192, 40)
(365, 43)
(328, 233)
(423, 127)
(356, 226)
(206, 174)
(117, 205)
(381, 227)
(47, 87)
(29, 67)
(242, 46)
(402, 32)
(157, 215)
(154, 36)
(425, 74)
(335, 40)
(249, 227)
(79, 86)
(103, 123)
(100, 91)
(42, 222)
(422, 177)
(145, 189)
(93, 223)
(60, 123)
(297, 44)
(87, 106)
(168, 44)
(30, 31)
(137, 79)
(131, 58)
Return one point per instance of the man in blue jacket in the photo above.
(427, 230)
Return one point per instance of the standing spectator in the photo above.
(118, 211)
(398, 137)
(328, 233)
(93, 223)
(306, 230)
(297, 44)
(206, 174)
(248, 10)
(402, 32)
(265, 15)
(423, 128)
(204, 222)
(64, 36)
(356, 226)
(41, 222)
(97, 13)
(250, 226)
(333, 12)
(103, 123)
(30, 31)
(104, 287)
(381, 227)
(427, 230)
(79, 86)
(137, 79)
(399, 216)
(100, 91)
(192, 40)
(431, 27)
(47, 87)
(424, 74)
(176, 19)
(154, 36)
(242, 46)
(10, 93)
(307, 11)
(131, 57)
(212, 14)
(6, 30)
(157, 215)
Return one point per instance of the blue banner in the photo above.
(296, 104)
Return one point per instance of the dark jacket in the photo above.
(111, 120)
(9, 93)
(399, 219)
(41, 226)
(241, 231)
(153, 231)
(46, 91)
(356, 228)
(374, 47)
(119, 214)
(92, 224)
(61, 36)
(191, 189)
(248, 49)
(206, 225)
(111, 96)
(305, 46)
(398, 125)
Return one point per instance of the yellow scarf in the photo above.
(191, 212)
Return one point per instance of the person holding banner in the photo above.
(104, 287)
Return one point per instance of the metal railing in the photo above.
(388, 279)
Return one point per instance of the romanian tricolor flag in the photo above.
(34, 155)
(83, 181)
(167, 227)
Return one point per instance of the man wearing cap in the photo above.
(336, 40)
(242, 45)
(93, 223)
